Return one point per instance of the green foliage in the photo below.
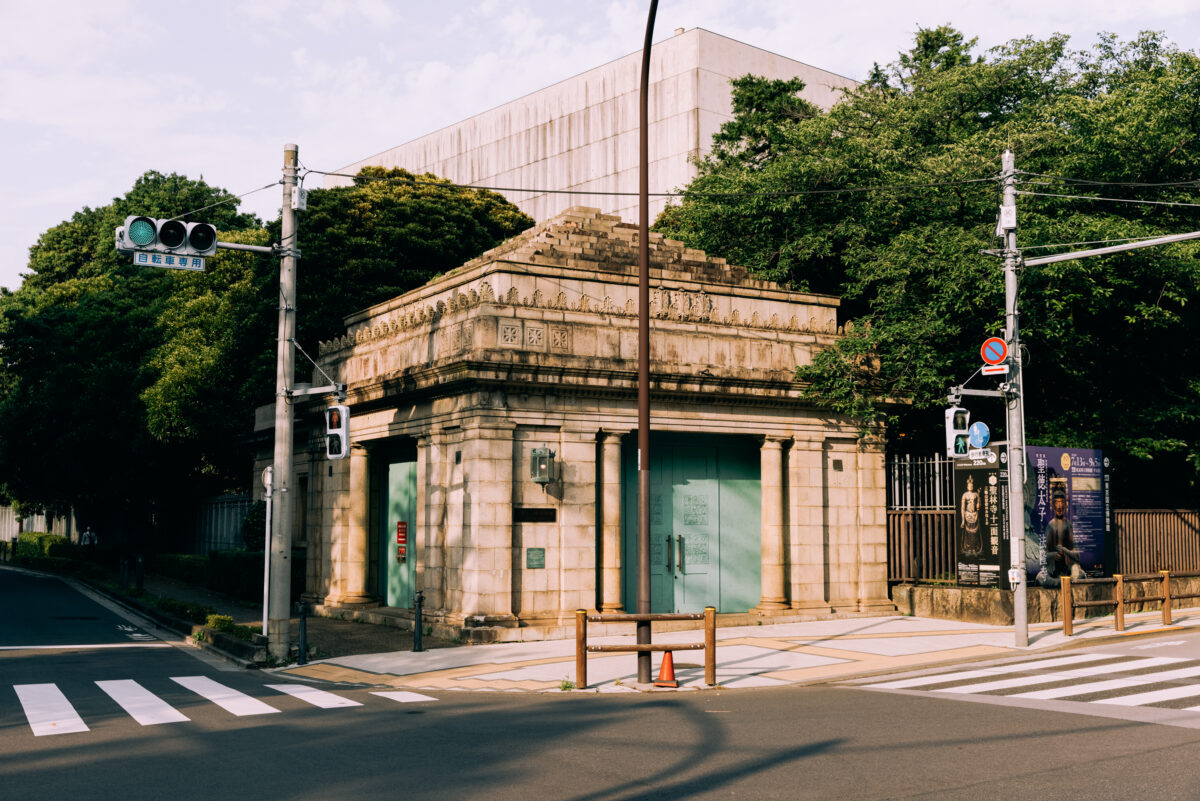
(254, 527)
(190, 612)
(33, 544)
(128, 392)
(1112, 342)
(191, 568)
(237, 573)
(387, 234)
(225, 625)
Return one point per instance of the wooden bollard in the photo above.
(1119, 597)
(1166, 593)
(1068, 611)
(710, 645)
(581, 649)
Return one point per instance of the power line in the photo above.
(224, 201)
(685, 193)
(1111, 199)
(1194, 182)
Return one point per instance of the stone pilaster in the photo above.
(350, 586)
(773, 593)
(610, 501)
(809, 544)
(487, 494)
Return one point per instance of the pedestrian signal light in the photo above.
(176, 237)
(958, 423)
(337, 432)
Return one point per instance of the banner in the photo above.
(981, 519)
(1069, 520)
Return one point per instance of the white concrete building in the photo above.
(581, 134)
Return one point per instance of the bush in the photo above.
(192, 613)
(191, 568)
(34, 544)
(225, 624)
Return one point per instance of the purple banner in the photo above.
(1068, 513)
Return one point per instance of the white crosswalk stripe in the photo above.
(142, 705)
(48, 711)
(312, 695)
(1121, 681)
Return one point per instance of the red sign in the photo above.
(994, 350)
(402, 533)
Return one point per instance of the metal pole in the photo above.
(269, 487)
(279, 602)
(643, 591)
(1015, 403)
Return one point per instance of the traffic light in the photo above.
(958, 422)
(337, 432)
(175, 237)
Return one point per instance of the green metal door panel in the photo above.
(741, 544)
(397, 573)
(696, 513)
(705, 536)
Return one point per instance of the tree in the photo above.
(890, 197)
(128, 393)
(391, 231)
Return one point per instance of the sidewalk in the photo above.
(749, 656)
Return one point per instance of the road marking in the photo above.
(227, 698)
(404, 697)
(1079, 673)
(312, 695)
(85, 646)
(48, 710)
(1157, 645)
(1113, 684)
(1141, 699)
(142, 705)
(992, 671)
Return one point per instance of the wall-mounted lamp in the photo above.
(541, 466)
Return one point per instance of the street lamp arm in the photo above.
(1083, 254)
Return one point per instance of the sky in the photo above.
(93, 93)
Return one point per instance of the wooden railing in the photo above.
(1118, 600)
(582, 649)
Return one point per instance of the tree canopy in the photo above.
(126, 391)
(889, 198)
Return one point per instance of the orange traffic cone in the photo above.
(666, 673)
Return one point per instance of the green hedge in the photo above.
(237, 573)
(191, 568)
(35, 544)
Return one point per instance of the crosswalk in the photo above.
(1160, 688)
(48, 710)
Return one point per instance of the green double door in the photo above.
(705, 534)
(396, 521)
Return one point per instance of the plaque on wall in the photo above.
(535, 558)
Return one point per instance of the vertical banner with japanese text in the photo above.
(980, 519)
(1069, 514)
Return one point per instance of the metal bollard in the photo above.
(302, 659)
(124, 573)
(139, 572)
(418, 603)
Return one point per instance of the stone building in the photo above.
(581, 133)
(760, 503)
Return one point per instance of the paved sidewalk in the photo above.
(749, 656)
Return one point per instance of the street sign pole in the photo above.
(1015, 403)
(279, 599)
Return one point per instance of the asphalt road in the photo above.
(778, 743)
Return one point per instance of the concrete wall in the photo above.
(582, 133)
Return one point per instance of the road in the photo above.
(830, 742)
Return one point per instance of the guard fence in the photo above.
(582, 649)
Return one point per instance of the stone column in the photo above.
(354, 559)
(487, 500)
(610, 537)
(809, 563)
(773, 595)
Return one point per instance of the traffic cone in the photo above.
(666, 673)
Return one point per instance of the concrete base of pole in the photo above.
(279, 638)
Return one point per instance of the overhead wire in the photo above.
(684, 193)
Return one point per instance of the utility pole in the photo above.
(279, 614)
(643, 586)
(1015, 423)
